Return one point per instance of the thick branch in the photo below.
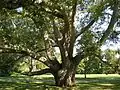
(43, 71)
(74, 10)
(111, 24)
(52, 9)
(53, 64)
(62, 51)
(79, 57)
(42, 7)
(32, 55)
(85, 28)
(72, 36)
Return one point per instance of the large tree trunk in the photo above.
(65, 76)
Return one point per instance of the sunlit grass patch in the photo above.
(107, 84)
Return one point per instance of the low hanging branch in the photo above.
(25, 53)
(43, 71)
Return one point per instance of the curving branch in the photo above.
(85, 28)
(79, 57)
(25, 53)
(111, 24)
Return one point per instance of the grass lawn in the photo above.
(46, 82)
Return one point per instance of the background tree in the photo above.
(42, 26)
(112, 58)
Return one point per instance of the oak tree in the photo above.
(44, 25)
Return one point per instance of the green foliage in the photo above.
(90, 65)
(21, 66)
(108, 63)
(7, 63)
(113, 60)
(27, 65)
(88, 43)
(20, 33)
(40, 66)
(98, 8)
(81, 67)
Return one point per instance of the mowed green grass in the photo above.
(46, 82)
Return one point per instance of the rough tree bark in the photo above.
(65, 76)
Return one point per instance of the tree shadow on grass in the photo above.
(47, 83)
(23, 86)
(27, 83)
(110, 83)
(97, 86)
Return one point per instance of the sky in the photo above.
(19, 9)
